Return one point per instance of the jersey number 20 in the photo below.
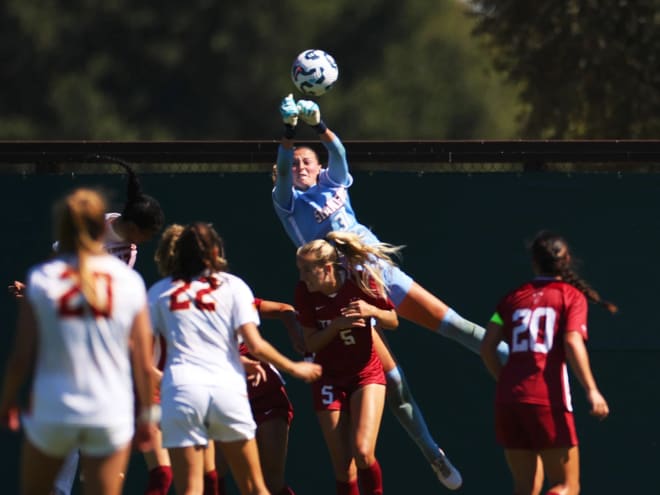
(71, 303)
(532, 324)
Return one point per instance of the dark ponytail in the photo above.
(552, 256)
(142, 210)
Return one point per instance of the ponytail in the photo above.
(80, 220)
(140, 209)
(552, 256)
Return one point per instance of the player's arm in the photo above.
(316, 339)
(578, 359)
(263, 350)
(287, 315)
(310, 113)
(143, 374)
(385, 317)
(283, 189)
(489, 345)
(19, 365)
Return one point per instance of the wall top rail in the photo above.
(526, 155)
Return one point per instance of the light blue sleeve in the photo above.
(283, 190)
(337, 164)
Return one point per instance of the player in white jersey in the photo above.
(202, 310)
(84, 326)
(141, 218)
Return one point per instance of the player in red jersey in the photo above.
(544, 321)
(339, 306)
(271, 408)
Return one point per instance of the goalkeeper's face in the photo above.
(305, 169)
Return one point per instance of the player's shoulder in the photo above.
(159, 287)
(233, 283)
(46, 269)
(571, 293)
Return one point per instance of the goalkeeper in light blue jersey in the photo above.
(312, 201)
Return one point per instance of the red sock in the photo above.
(160, 479)
(552, 493)
(286, 491)
(347, 487)
(371, 480)
(211, 485)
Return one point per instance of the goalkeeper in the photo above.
(312, 201)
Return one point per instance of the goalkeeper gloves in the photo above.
(310, 113)
(289, 111)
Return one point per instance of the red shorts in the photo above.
(275, 404)
(534, 427)
(269, 399)
(334, 394)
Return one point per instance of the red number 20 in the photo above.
(71, 303)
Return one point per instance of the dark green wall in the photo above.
(465, 242)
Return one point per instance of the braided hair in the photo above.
(552, 256)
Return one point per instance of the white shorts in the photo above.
(59, 439)
(193, 415)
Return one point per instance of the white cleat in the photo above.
(446, 472)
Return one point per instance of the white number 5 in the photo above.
(347, 337)
(327, 394)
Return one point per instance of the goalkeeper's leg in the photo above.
(401, 403)
(423, 308)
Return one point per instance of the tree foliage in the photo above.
(203, 69)
(587, 68)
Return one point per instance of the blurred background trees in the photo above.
(420, 69)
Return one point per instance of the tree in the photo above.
(121, 70)
(587, 68)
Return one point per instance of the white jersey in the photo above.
(113, 243)
(199, 321)
(83, 371)
(116, 245)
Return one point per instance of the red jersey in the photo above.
(351, 352)
(536, 317)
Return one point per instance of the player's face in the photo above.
(312, 273)
(306, 168)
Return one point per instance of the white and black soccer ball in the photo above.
(314, 72)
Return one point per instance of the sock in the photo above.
(468, 334)
(159, 481)
(286, 491)
(211, 483)
(405, 409)
(371, 480)
(347, 487)
(66, 476)
(552, 493)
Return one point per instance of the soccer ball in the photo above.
(314, 72)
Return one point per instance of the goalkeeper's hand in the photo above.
(289, 111)
(309, 112)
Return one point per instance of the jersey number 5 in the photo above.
(538, 322)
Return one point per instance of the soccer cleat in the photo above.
(446, 472)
